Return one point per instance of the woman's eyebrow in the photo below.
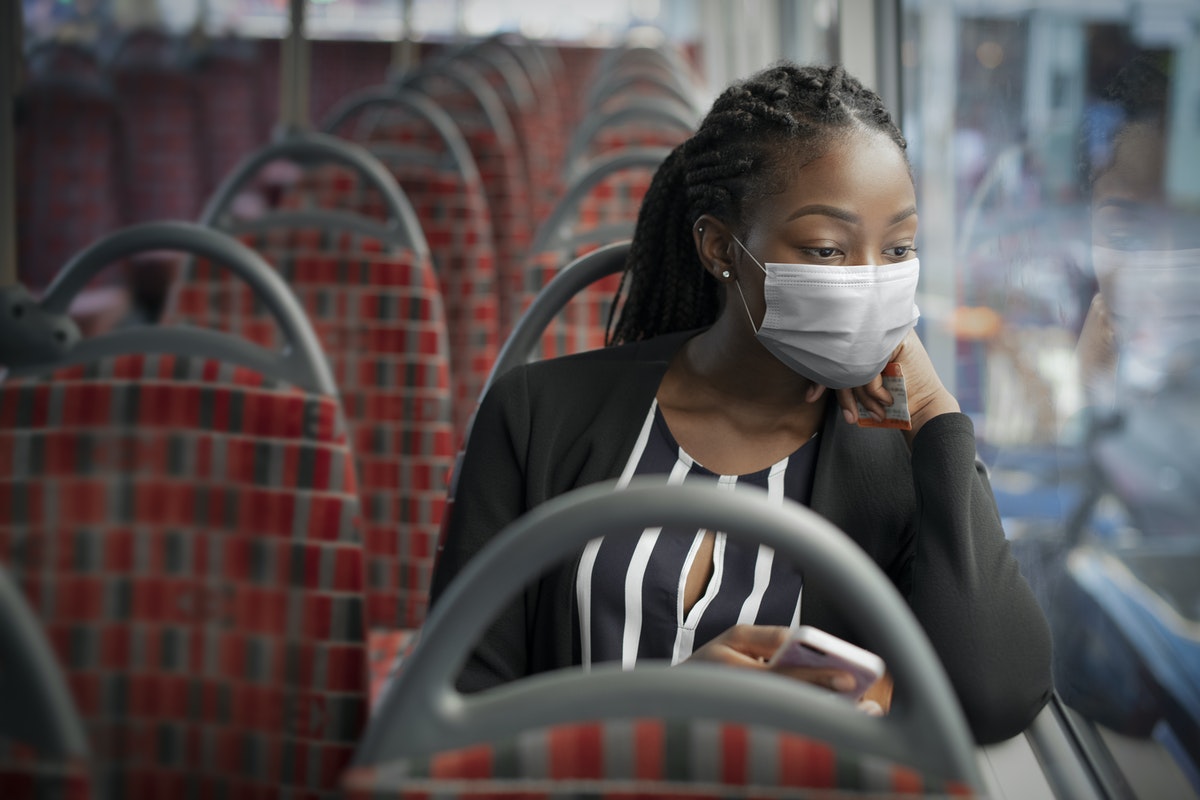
(827, 211)
(844, 215)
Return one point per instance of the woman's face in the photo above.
(853, 206)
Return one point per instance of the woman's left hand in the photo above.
(927, 397)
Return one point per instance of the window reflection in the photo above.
(1076, 227)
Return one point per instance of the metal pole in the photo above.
(293, 79)
(10, 59)
(404, 50)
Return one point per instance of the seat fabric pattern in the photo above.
(455, 219)
(634, 134)
(647, 758)
(190, 534)
(583, 322)
(502, 172)
(67, 178)
(25, 773)
(379, 318)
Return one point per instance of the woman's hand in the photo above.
(927, 397)
(751, 646)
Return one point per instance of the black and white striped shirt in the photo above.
(629, 591)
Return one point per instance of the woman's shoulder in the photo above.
(655, 353)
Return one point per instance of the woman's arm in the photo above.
(490, 494)
(967, 591)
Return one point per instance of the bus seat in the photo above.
(43, 747)
(66, 162)
(394, 376)
(231, 105)
(427, 155)
(181, 513)
(672, 729)
(600, 208)
(479, 114)
(640, 122)
(377, 310)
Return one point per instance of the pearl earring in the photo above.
(725, 274)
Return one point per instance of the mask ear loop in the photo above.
(738, 284)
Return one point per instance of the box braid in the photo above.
(754, 128)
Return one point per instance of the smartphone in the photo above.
(811, 647)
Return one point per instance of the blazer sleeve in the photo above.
(967, 591)
(490, 494)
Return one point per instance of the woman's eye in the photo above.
(903, 251)
(823, 252)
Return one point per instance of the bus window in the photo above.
(1057, 154)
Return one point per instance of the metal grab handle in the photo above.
(314, 147)
(925, 729)
(303, 356)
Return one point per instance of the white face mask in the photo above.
(1154, 300)
(837, 326)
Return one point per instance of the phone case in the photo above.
(813, 648)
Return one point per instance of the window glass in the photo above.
(1057, 153)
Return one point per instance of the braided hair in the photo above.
(782, 112)
(1137, 95)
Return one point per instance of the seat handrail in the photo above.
(654, 112)
(549, 232)
(925, 728)
(302, 361)
(310, 147)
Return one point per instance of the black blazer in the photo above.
(929, 520)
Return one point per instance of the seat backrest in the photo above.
(549, 717)
(377, 311)
(429, 158)
(161, 123)
(479, 114)
(638, 122)
(67, 136)
(184, 520)
(601, 207)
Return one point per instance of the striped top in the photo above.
(629, 591)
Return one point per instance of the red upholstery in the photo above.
(454, 216)
(379, 318)
(501, 168)
(66, 168)
(633, 134)
(613, 201)
(26, 774)
(646, 758)
(232, 107)
(161, 123)
(189, 533)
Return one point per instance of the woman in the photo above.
(771, 278)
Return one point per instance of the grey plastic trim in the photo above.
(550, 232)
(423, 713)
(664, 114)
(302, 362)
(308, 146)
(553, 297)
(418, 103)
(1072, 761)
(35, 704)
(609, 88)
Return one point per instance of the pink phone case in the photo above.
(816, 649)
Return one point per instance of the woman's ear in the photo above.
(714, 246)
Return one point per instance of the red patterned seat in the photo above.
(480, 115)
(161, 124)
(440, 179)
(601, 209)
(189, 533)
(66, 162)
(377, 311)
(647, 758)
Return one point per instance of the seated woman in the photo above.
(771, 278)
